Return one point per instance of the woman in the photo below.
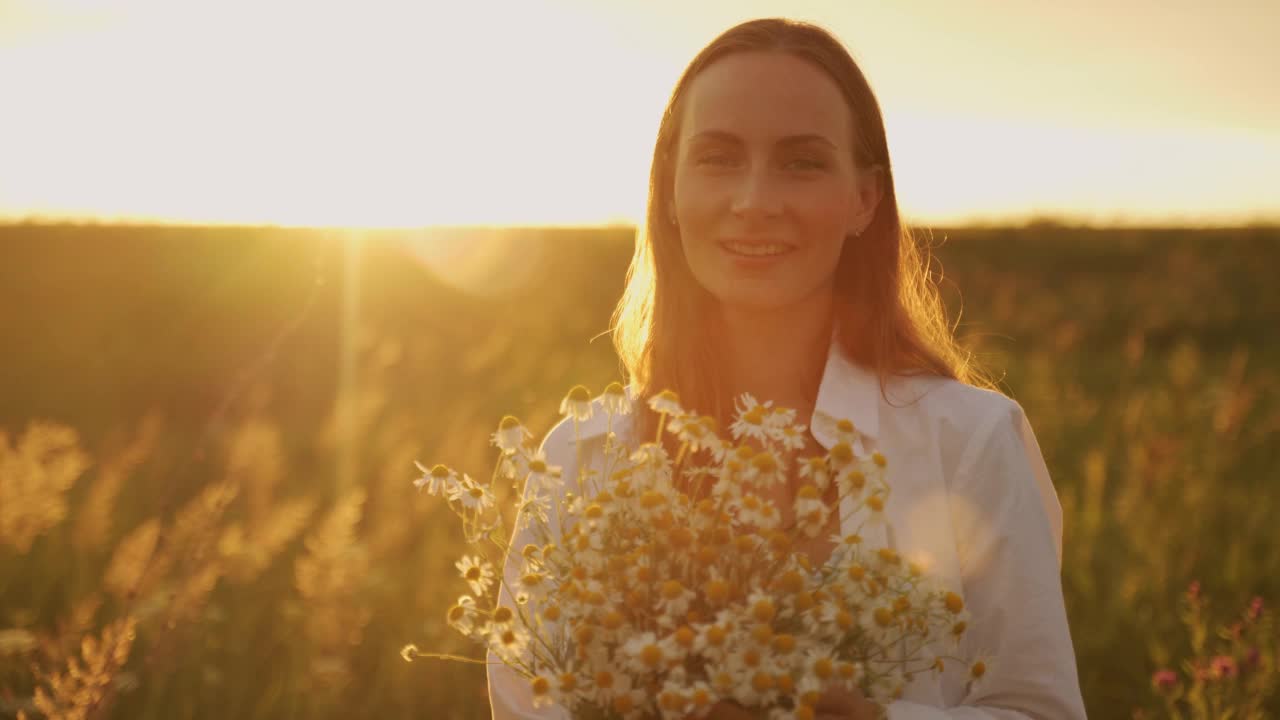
(773, 261)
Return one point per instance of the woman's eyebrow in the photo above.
(788, 140)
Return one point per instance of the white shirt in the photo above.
(970, 496)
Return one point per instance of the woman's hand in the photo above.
(839, 703)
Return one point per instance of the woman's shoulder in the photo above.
(949, 405)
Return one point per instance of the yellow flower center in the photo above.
(784, 643)
(672, 589)
(762, 682)
(685, 636)
(763, 610)
(716, 635)
(651, 655)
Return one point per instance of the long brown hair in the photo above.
(887, 309)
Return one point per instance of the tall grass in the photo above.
(174, 533)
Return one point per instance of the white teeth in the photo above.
(745, 249)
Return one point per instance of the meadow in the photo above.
(208, 436)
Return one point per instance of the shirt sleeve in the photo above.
(510, 696)
(1008, 525)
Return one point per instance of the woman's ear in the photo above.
(868, 189)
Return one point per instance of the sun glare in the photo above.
(534, 113)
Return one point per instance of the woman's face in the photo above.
(765, 185)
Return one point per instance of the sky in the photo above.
(526, 112)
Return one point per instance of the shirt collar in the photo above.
(848, 391)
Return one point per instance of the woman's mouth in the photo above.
(756, 249)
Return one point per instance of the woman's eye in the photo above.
(716, 160)
(806, 164)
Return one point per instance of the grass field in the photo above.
(211, 432)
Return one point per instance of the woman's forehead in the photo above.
(763, 96)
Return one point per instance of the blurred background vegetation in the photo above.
(207, 439)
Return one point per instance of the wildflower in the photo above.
(615, 400)
(841, 429)
(979, 671)
(478, 573)
(764, 469)
(471, 495)
(541, 474)
(811, 512)
(851, 481)
(1164, 681)
(1255, 610)
(644, 653)
(674, 599)
(1223, 667)
(875, 507)
(462, 615)
(510, 435)
(534, 508)
(508, 643)
(667, 403)
(577, 404)
(814, 470)
(761, 607)
(751, 419)
(438, 480)
(541, 685)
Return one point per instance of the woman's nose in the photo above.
(755, 197)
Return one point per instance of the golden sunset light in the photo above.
(412, 114)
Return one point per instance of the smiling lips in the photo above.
(756, 248)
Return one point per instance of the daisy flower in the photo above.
(644, 654)
(814, 469)
(750, 421)
(462, 616)
(541, 688)
(673, 600)
(765, 469)
(478, 573)
(841, 429)
(679, 643)
(437, 480)
(536, 507)
(874, 505)
(510, 435)
(577, 404)
(615, 400)
(540, 473)
(666, 402)
(508, 643)
(979, 672)
(811, 512)
(851, 481)
(471, 495)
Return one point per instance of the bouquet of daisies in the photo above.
(668, 584)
